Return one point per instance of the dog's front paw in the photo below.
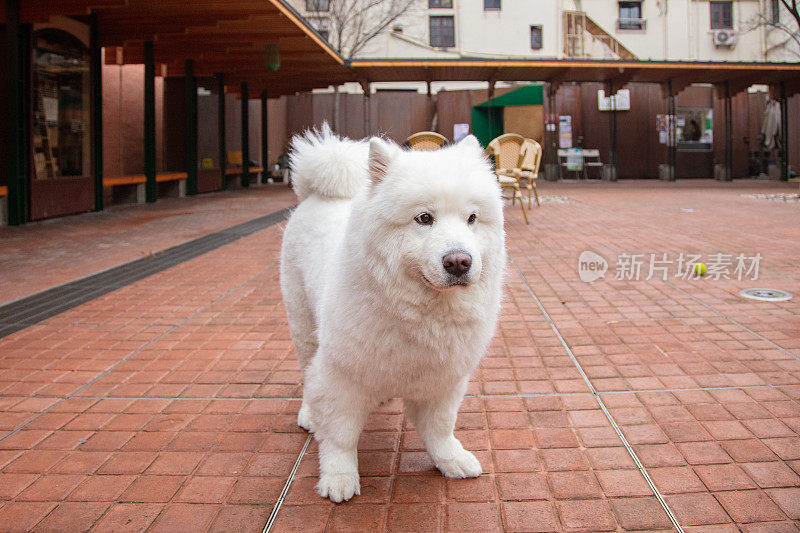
(340, 487)
(462, 464)
(304, 418)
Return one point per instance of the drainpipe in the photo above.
(665, 31)
(689, 30)
(559, 25)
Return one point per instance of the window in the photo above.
(61, 120)
(321, 26)
(317, 5)
(536, 37)
(443, 33)
(491, 5)
(630, 16)
(435, 4)
(721, 15)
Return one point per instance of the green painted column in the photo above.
(264, 134)
(245, 136)
(151, 189)
(223, 160)
(97, 114)
(16, 162)
(191, 127)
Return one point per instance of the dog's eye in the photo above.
(472, 218)
(425, 219)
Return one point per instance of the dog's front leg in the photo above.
(339, 418)
(435, 419)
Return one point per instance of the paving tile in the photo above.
(587, 515)
(749, 506)
(72, 516)
(23, 516)
(788, 500)
(640, 514)
(623, 483)
(473, 517)
(358, 517)
(574, 485)
(772, 474)
(697, 509)
(724, 477)
(184, 516)
(129, 517)
(148, 489)
(240, 518)
(101, 488)
(410, 517)
(530, 516)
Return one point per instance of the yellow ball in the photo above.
(700, 269)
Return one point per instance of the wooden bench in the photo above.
(3, 205)
(235, 165)
(131, 189)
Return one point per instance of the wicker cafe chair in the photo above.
(507, 152)
(426, 140)
(529, 167)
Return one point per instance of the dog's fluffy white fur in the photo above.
(373, 310)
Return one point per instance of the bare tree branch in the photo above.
(774, 20)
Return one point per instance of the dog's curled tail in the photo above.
(321, 162)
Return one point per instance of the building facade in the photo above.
(705, 30)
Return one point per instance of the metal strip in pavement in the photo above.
(274, 514)
(599, 400)
(30, 310)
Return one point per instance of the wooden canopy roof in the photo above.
(229, 36)
(225, 36)
(678, 74)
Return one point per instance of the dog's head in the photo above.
(435, 216)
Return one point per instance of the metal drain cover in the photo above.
(767, 295)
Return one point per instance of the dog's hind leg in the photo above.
(302, 328)
(435, 419)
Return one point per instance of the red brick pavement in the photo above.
(170, 404)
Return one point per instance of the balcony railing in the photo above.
(632, 24)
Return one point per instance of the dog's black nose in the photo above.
(457, 262)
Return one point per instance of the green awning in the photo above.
(527, 95)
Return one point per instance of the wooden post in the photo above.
(191, 127)
(245, 135)
(16, 131)
(264, 133)
(96, 76)
(222, 149)
(151, 188)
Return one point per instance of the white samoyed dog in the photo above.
(391, 270)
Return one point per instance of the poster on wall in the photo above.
(663, 125)
(565, 131)
(621, 101)
(460, 131)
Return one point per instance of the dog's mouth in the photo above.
(451, 283)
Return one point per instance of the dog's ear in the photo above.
(470, 142)
(381, 154)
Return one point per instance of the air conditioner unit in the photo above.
(724, 37)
